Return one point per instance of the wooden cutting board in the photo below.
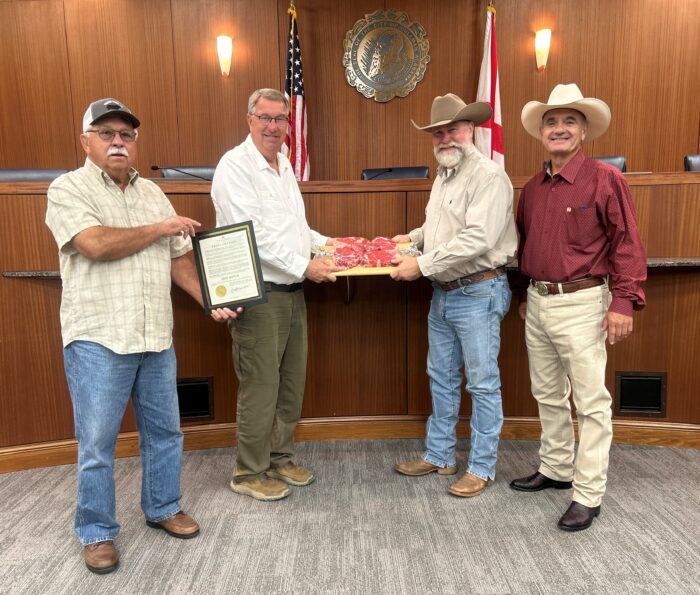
(360, 271)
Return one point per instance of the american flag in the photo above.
(488, 137)
(295, 141)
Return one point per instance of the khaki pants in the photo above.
(269, 356)
(566, 350)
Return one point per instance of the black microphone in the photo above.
(381, 172)
(180, 171)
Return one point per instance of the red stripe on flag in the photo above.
(295, 139)
(488, 137)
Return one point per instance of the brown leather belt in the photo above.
(567, 286)
(473, 278)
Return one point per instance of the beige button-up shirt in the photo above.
(246, 188)
(121, 304)
(469, 225)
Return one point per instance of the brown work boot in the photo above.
(470, 485)
(261, 488)
(292, 474)
(421, 467)
(101, 557)
(179, 525)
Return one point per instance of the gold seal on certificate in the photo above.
(229, 267)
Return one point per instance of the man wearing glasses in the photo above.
(120, 243)
(255, 182)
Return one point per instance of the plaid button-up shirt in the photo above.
(121, 304)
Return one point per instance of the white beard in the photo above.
(450, 159)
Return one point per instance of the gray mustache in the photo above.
(118, 151)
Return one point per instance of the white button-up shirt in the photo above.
(469, 225)
(246, 188)
(122, 304)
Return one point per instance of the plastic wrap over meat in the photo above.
(380, 243)
(353, 251)
(356, 243)
(409, 250)
(346, 257)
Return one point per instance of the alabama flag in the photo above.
(488, 137)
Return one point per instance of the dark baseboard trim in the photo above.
(64, 452)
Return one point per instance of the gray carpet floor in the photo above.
(362, 528)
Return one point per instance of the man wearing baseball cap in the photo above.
(582, 265)
(120, 243)
(467, 239)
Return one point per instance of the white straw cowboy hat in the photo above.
(596, 111)
(450, 108)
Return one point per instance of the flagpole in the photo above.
(292, 11)
(295, 146)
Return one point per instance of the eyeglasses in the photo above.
(267, 120)
(107, 134)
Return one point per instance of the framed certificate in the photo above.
(228, 266)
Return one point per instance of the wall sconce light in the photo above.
(224, 47)
(543, 38)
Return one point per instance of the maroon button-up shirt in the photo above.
(581, 223)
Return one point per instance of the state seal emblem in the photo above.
(385, 55)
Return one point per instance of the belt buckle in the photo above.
(541, 288)
(464, 282)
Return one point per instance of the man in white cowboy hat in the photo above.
(577, 231)
(467, 239)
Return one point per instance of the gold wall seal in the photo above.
(385, 55)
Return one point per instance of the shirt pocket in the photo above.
(582, 225)
(458, 209)
(274, 210)
(146, 213)
(434, 205)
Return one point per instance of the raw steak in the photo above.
(346, 257)
(356, 243)
(380, 243)
(378, 258)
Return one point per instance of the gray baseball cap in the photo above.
(107, 107)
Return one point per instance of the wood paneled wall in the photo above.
(367, 336)
(37, 128)
(211, 108)
(640, 56)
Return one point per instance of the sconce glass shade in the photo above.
(543, 38)
(224, 47)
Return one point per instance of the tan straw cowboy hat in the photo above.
(450, 108)
(596, 111)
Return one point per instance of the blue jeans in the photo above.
(464, 327)
(100, 382)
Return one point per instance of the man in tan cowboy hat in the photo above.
(467, 239)
(577, 231)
